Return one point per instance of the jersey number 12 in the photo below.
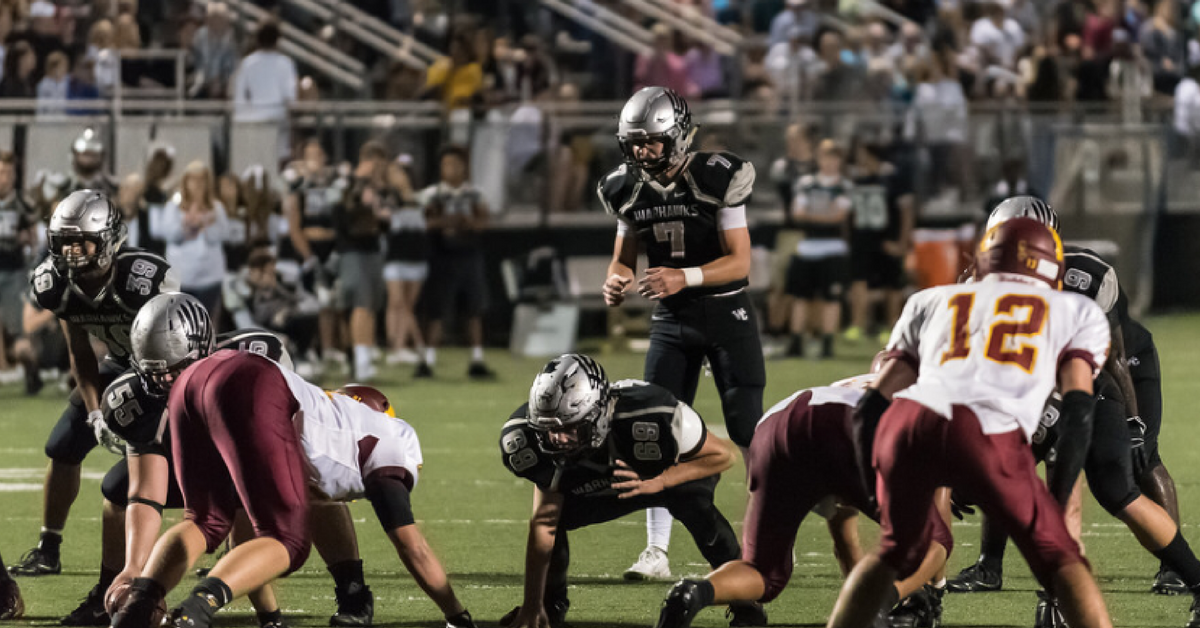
(1001, 331)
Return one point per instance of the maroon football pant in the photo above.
(231, 425)
(917, 450)
(799, 456)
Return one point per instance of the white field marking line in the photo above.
(37, 473)
(20, 450)
(8, 487)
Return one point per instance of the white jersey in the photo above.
(995, 347)
(846, 392)
(345, 441)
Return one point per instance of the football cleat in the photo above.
(976, 578)
(1194, 617)
(746, 614)
(921, 609)
(652, 564)
(11, 604)
(423, 371)
(37, 562)
(1048, 615)
(680, 606)
(275, 623)
(356, 607)
(90, 612)
(479, 370)
(1167, 582)
(461, 620)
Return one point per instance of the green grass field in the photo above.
(474, 512)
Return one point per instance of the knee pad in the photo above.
(71, 439)
(1113, 488)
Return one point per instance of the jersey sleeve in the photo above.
(135, 415)
(905, 342)
(398, 456)
(688, 430)
(142, 275)
(1091, 338)
(609, 187)
(258, 341)
(724, 176)
(519, 452)
(47, 287)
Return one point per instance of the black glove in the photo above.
(867, 412)
(959, 505)
(1137, 441)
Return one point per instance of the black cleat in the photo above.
(1168, 582)
(680, 606)
(921, 609)
(276, 623)
(423, 371)
(976, 579)
(746, 614)
(91, 612)
(11, 604)
(479, 370)
(1048, 615)
(180, 618)
(37, 562)
(355, 607)
(1194, 617)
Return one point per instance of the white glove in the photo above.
(104, 436)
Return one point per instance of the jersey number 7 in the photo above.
(1002, 334)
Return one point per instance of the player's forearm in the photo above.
(538, 548)
(726, 269)
(697, 468)
(425, 568)
(84, 367)
(617, 267)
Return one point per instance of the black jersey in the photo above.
(875, 204)
(137, 415)
(138, 276)
(822, 196)
(15, 216)
(1088, 274)
(678, 225)
(318, 194)
(650, 432)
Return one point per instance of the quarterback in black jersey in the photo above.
(94, 286)
(596, 452)
(686, 211)
(1114, 455)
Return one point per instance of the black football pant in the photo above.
(724, 330)
(72, 438)
(691, 503)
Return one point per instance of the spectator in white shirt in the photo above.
(52, 89)
(997, 37)
(789, 64)
(1187, 116)
(265, 85)
(195, 227)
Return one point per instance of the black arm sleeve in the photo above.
(389, 497)
(1074, 437)
(866, 417)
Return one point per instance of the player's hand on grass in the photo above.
(660, 283)
(631, 484)
(522, 617)
(614, 289)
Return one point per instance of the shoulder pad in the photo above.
(49, 287)
(256, 341)
(614, 187)
(139, 275)
(131, 412)
(634, 396)
(724, 176)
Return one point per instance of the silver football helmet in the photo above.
(87, 152)
(84, 218)
(569, 405)
(655, 114)
(1023, 207)
(169, 333)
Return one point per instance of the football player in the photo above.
(802, 456)
(596, 452)
(94, 285)
(969, 369)
(687, 212)
(260, 437)
(1115, 457)
(134, 406)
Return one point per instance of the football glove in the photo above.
(104, 436)
(959, 506)
(866, 417)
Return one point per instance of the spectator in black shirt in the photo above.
(20, 66)
(155, 194)
(16, 233)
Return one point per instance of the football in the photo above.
(118, 596)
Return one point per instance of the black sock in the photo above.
(107, 576)
(205, 600)
(50, 542)
(1179, 557)
(890, 600)
(705, 592)
(346, 574)
(827, 346)
(147, 587)
(269, 617)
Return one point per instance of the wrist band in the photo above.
(694, 276)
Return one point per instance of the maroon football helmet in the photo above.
(1022, 246)
(369, 396)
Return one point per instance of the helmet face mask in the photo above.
(655, 115)
(570, 406)
(85, 233)
(170, 332)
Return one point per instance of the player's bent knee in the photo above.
(298, 550)
(1113, 496)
